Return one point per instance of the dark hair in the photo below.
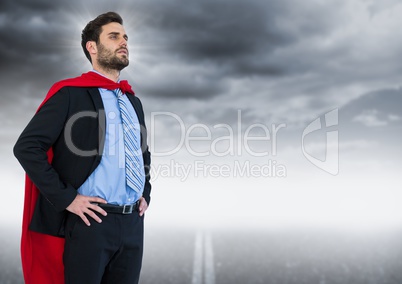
(93, 29)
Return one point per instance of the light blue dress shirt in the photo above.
(108, 180)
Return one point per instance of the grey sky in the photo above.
(278, 61)
(201, 49)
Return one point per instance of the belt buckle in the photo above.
(127, 209)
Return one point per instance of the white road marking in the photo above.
(203, 265)
(209, 271)
(197, 264)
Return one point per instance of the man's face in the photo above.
(112, 47)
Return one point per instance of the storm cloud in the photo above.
(276, 61)
(277, 49)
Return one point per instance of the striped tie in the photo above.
(132, 148)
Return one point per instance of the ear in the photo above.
(91, 47)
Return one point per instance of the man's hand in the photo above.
(82, 205)
(143, 206)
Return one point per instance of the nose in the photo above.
(123, 43)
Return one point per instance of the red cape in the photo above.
(42, 255)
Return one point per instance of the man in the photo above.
(87, 165)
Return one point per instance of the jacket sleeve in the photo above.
(147, 164)
(33, 144)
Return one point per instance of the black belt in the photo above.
(120, 209)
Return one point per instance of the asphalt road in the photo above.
(220, 256)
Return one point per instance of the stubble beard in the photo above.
(109, 61)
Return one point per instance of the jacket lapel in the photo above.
(100, 109)
(140, 114)
(138, 109)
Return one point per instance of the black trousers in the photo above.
(104, 253)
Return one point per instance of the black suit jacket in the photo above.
(73, 124)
